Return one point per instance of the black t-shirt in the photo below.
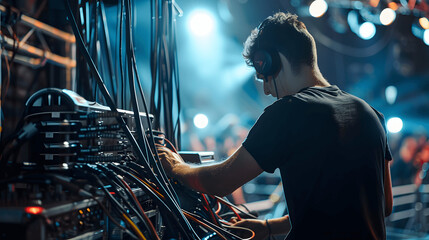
(330, 147)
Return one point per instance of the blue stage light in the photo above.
(201, 23)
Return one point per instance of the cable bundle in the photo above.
(165, 73)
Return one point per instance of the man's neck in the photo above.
(310, 78)
(318, 78)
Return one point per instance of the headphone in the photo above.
(266, 61)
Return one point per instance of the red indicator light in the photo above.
(113, 193)
(34, 210)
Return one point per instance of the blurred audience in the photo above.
(228, 134)
(411, 161)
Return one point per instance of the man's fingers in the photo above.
(239, 223)
(163, 148)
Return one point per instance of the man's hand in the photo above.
(259, 227)
(169, 159)
(276, 226)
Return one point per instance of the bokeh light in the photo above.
(387, 16)
(391, 94)
(424, 22)
(367, 30)
(426, 37)
(394, 125)
(201, 23)
(201, 120)
(318, 8)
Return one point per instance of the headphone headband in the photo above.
(262, 25)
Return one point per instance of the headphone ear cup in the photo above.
(266, 62)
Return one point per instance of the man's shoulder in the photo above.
(284, 106)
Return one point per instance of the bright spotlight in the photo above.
(387, 16)
(426, 37)
(318, 8)
(201, 120)
(367, 30)
(394, 125)
(201, 23)
(391, 93)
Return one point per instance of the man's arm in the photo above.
(387, 189)
(218, 179)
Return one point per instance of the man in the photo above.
(330, 146)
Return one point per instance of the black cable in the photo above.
(220, 229)
(121, 61)
(159, 54)
(155, 162)
(249, 215)
(82, 192)
(166, 77)
(176, 77)
(170, 67)
(131, 63)
(85, 83)
(164, 73)
(154, 56)
(175, 207)
(210, 211)
(99, 81)
(141, 185)
(106, 94)
(275, 86)
(14, 143)
(92, 42)
(95, 31)
(114, 178)
(117, 70)
(106, 36)
(146, 189)
(107, 212)
(121, 121)
(148, 120)
(115, 203)
(129, 50)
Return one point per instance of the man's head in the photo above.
(283, 33)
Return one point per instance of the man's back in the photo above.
(330, 147)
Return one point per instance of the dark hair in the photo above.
(282, 32)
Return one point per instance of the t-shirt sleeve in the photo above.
(388, 153)
(266, 140)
